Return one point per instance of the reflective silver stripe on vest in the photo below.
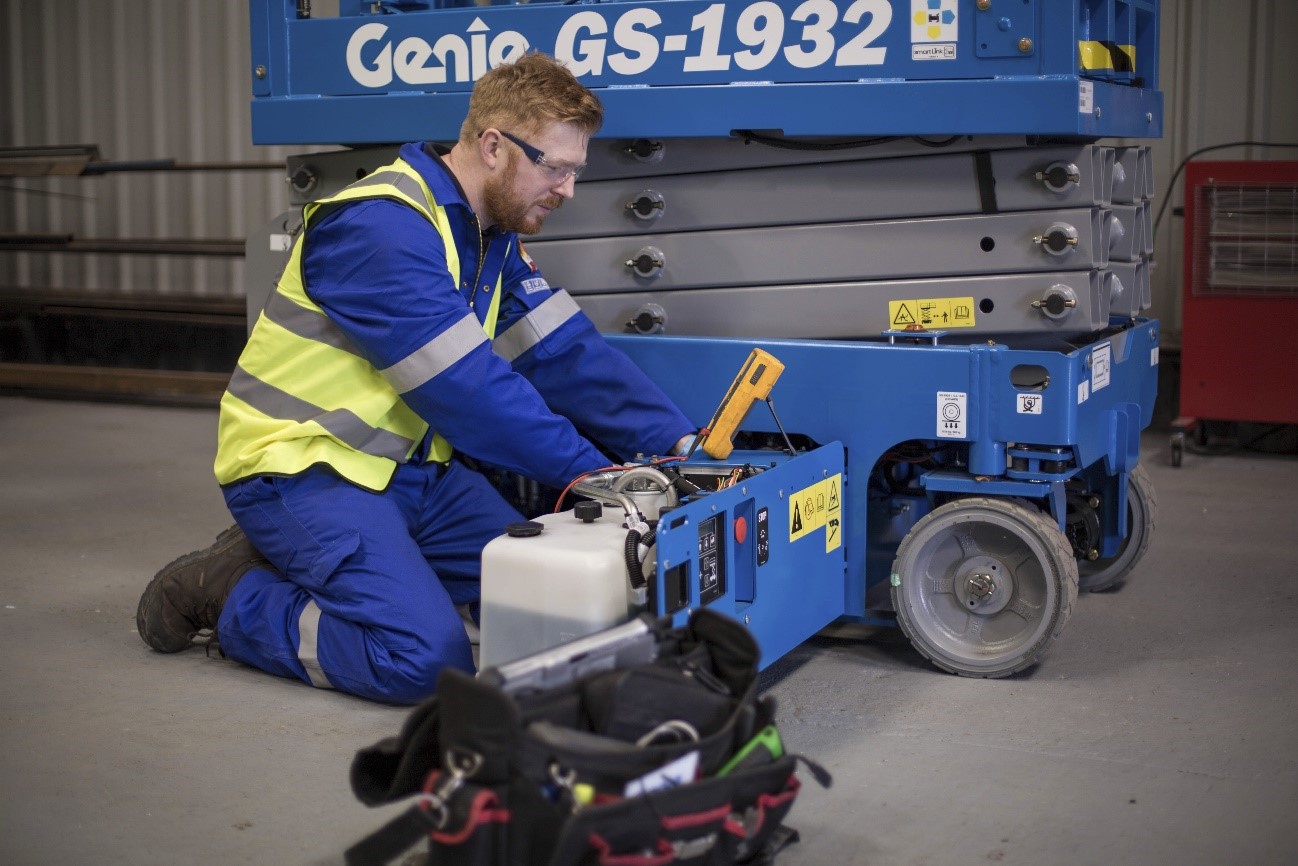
(436, 355)
(308, 632)
(400, 180)
(343, 424)
(536, 326)
(307, 324)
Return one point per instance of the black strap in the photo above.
(392, 839)
(986, 181)
(782, 838)
(819, 773)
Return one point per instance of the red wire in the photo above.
(576, 480)
(660, 461)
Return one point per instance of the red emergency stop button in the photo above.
(741, 530)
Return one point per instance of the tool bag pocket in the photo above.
(466, 824)
(760, 800)
(474, 829)
(647, 765)
(712, 822)
(624, 724)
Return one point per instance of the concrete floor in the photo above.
(1160, 728)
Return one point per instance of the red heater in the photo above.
(1239, 343)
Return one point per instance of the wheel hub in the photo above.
(983, 585)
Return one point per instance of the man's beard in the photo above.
(509, 212)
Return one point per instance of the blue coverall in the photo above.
(363, 591)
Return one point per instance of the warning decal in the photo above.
(813, 507)
(932, 313)
(833, 513)
(1029, 404)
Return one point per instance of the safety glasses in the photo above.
(554, 172)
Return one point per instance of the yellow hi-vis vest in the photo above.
(301, 396)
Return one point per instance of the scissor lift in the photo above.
(908, 202)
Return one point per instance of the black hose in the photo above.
(1167, 196)
(685, 487)
(633, 569)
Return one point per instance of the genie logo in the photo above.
(455, 58)
(720, 42)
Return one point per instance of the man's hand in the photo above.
(685, 444)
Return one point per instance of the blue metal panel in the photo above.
(692, 68)
(1092, 390)
(267, 27)
(872, 396)
(1001, 32)
(796, 588)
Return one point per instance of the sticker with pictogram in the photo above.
(1029, 404)
(833, 512)
(951, 414)
(936, 313)
(807, 510)
(934, 21)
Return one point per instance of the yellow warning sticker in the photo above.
(1106, 55)
(810, 508)
(932, 313)
(806, 511)
(833, 512)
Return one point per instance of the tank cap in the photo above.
(588, 512)
(524, 529)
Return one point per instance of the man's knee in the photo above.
(413, 674)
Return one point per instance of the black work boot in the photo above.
(185, 598)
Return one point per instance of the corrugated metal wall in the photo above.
(1228, 73)
(142, 79)
(169, 78)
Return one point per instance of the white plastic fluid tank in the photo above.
(565, 582)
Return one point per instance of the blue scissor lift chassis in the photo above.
(961, 464)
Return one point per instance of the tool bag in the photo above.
(670, 761)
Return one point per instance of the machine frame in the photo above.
(383, 72)
(983, 478)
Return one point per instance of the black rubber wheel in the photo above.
(1142, 509)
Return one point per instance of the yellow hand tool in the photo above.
(756, 378)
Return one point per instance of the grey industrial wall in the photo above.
(150, 79)
(142, 79)
(1227, 71)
